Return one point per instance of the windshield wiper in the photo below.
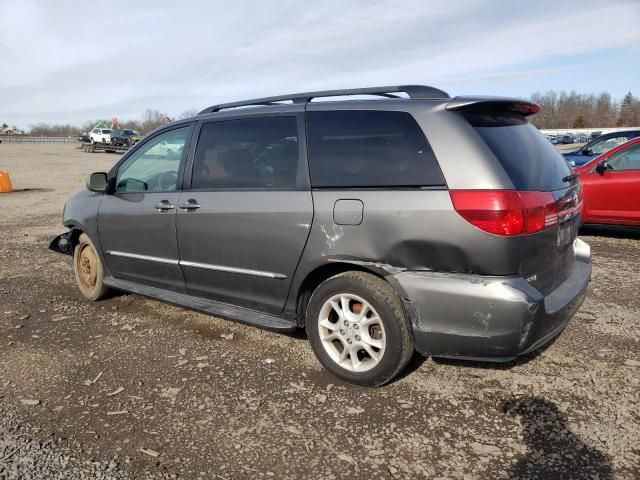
(570, 177)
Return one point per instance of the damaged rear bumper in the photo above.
(62, 244)
(490, 318)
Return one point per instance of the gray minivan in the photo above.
(383, 220)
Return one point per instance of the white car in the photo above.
(100, 135)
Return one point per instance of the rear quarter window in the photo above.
(366, 148)
(529, 159)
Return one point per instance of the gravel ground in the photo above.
(133, 388)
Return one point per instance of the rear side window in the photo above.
(366, 148)
(252, 153)
(529, 159)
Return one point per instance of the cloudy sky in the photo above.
(70, 61)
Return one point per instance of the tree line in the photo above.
(580, 110)
(150, 120)
(558, 110)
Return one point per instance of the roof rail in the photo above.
(415, 92)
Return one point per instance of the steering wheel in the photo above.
(167, 180)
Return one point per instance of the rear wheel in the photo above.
(88, 269)
(358, 329)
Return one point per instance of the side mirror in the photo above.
(97, 182)
(587, 151)
(602, 167)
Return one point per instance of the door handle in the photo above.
(190, 205)
(164, 205)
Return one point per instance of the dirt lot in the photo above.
(133, 388)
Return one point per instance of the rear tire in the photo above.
(358, 329)
(88, 270)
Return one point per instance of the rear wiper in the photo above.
(570, 177)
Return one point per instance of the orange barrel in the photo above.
(5, 182)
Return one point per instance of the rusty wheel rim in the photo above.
(86, 264)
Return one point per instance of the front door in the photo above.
(614, 195)
(137, 221)
(243, 224)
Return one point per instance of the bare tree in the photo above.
(577, 110)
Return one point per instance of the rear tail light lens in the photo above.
(506, 212)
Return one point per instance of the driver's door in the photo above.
(137, 219)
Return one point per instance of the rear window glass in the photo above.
(529, 159)
(367, 148)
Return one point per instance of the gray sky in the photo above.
(68, 62)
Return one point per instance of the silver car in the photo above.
(414, 221)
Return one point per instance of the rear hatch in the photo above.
(545, 205)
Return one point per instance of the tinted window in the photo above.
(154, 166)
(247, 153)
(368, 148)
(529, 159)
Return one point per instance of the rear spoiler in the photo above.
(484, 104)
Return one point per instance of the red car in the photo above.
(611, 186)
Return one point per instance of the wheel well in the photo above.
(316, 277)
(74, 235)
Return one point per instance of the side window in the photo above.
(154, 166)
(626, 159)
(367, 148)
(259, 153)
(608, 144)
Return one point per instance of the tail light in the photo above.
(506, 212)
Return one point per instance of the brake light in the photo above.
(506, 212)
(525, 108)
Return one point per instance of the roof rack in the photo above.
(415, 92)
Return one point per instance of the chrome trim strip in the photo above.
(143, 257)
(207, 266)
(221, 268)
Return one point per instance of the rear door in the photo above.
(137, 221)
(243, 222)
(613, 196)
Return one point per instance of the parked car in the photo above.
(446, 225)
(100, 135)
(611, 185)
(567, 138)
(125, 136)
(600, 145)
